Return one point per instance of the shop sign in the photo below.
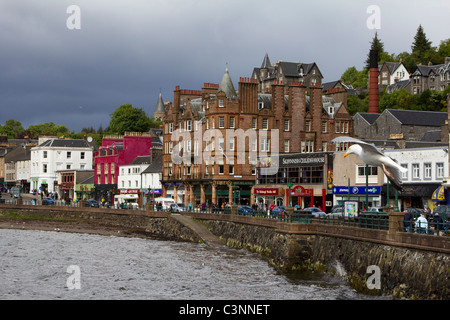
(356, 190)
(299, 191)
(267, 191)
(128, 191)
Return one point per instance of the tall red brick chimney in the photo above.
(373, 82)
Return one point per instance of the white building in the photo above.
(54, 155)
(129, 181)
(427, 169)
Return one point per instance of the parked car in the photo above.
(278, 211)
(316, 212)
(178, 207)
(245, 210)
(375, 209)
(47, 201)
(91, 203)
(336, 212)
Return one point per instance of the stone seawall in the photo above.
(404, 272)
(155, 225)
(409, 272)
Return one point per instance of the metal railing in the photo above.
(368, 220)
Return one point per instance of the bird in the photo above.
(370, 155)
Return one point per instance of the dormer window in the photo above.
(260, 105)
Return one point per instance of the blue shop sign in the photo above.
(356, 190)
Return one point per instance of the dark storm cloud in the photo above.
(127, 51)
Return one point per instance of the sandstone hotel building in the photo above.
(302, 119)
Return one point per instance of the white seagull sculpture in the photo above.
(370, 155)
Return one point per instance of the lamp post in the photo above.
(289, 196)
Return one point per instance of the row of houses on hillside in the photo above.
(394, 76)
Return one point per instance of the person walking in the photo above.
(407, 221)
(422, 223)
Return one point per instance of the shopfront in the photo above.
(301, 180)
(358, 193)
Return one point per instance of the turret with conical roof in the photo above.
(160, 110)
(226, 85)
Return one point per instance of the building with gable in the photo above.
(207, 168)
(286, 72)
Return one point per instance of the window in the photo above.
(324, 127)
(221, 103)
(232, 122)
(231, 144)
(254, 123)
(286, 125)
(221, 144)
(260, 105)
(427, 171)
(308, 125)
(254, 144)
(231, 169)
(265, 124)
(221, 122)
(405, 174)
(439, 170)
(82, 155)
(221, 170)
(44, 168)
(170, 127)
(69, 155)
(45, 154)
(415, 171)
(286, 145)
(68, 166)
(188, 125)
(337, 127)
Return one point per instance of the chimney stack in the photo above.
(373, 83)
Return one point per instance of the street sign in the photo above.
(356, 190)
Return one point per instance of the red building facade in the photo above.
(116, 151)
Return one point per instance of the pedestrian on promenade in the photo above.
(407, 220)
(437, 223)
(422, 223)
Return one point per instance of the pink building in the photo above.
(116, 151)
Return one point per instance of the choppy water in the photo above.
(34, 265)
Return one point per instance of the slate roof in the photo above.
(226, 85)
(141, 160)
(426, 70)
(160, 104)
(398, 85)
(65, 143)
(369, 117)
(89, 180)
(419, 118)
(155, 167)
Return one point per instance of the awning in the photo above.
(439, 194)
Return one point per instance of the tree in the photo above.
(421, 45)
(12, 128)
(127, 118)
(48, 128)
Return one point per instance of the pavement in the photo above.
(206, 235)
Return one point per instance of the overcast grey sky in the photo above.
(127, 51)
